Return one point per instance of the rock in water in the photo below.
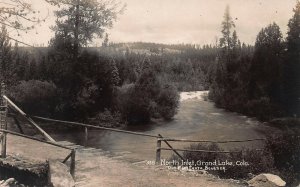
(266, 180)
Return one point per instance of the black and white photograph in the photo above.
(149, 93)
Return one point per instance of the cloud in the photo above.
(182, 21)
(197, 21)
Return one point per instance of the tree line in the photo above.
(103, 82)
(71, 81)
(264, 81)
(67, 80)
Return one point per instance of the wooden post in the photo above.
(3, 149)
(86, 136)
(171, 147)
(72, 165)
(158, 150)
(18, 124)
(86, 133)
(31, 122)
(3, 122)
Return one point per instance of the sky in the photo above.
(179, 21)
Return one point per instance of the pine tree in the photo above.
(115, 78)
(7, 59)
(227, 26)
(292, 64)
(105, 41)
(32, 71)
(80, 21)
(223, 82)
(266, 63)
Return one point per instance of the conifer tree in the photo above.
(223, 80)
(292, 64)
(7, 58)
(105, 41)
(115, 78)
(80, 21)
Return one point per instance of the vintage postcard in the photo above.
(150, 93)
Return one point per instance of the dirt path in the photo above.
(94, 169)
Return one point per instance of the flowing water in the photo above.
(196, 119)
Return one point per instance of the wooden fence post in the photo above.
(171, 147)
(3, 118)
(158, 151)
(72, 165)
(31, 122)
(86, 133)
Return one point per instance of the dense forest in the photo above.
(106, 82)
(121, 83)
(264, 81)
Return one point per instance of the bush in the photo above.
(168, 101)
(35, 97)
(262, 108)
(259, 161)
(285, 150)
(142, 101)
(107, 119)
(279, 156)
(133, 104)
(288, 123)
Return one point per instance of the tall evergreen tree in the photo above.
(105, 41)
(114, 77)
(80, 21)
(227, 26)
(224, 70)
(7, 59)
(266, 64)
(292, 64)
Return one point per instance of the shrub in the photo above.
(35, 97)
(279, 156)
(285, 150)
(138, 102)
(133, 104)
(259, 161)
(107, 119)
(168, 101)
(287, 123)
(262, 108)
(207, 157)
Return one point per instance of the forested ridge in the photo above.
(105, 80)
(134, 82)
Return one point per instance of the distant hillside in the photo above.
(155, 49)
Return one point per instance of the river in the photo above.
(196, 119)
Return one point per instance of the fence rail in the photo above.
(159, 137)
(211, 141)
(94, 127)
(17, 109)
(202, 151)
(71, 155)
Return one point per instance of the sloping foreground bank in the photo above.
(94, 169)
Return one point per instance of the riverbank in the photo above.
(95, 169)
